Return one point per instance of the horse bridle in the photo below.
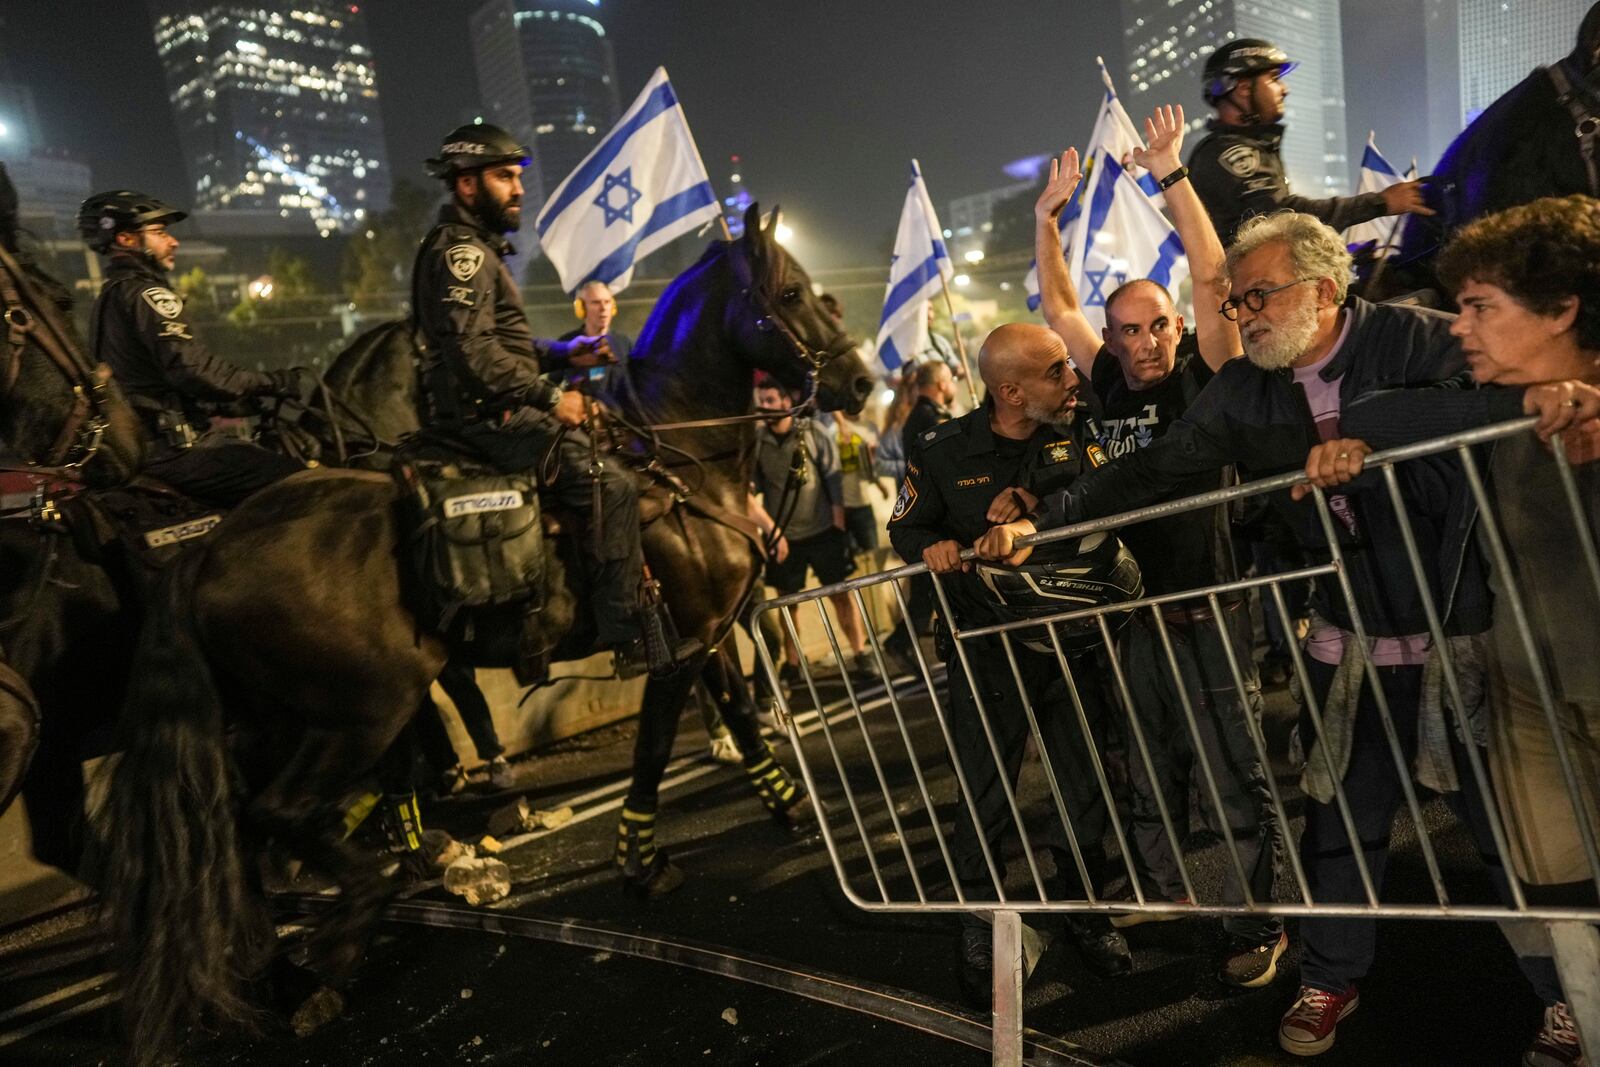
(85, 426)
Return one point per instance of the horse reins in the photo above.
(85, 426)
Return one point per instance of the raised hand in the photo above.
(1163, 134)
(1064, 178)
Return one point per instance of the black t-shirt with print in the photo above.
(1181, 551)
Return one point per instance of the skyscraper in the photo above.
(276, 103)
(1500, 41)
(50, 184)
(547, 74)
(1166, 42)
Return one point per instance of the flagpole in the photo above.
(961, 346)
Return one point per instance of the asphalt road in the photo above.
(1445, 993)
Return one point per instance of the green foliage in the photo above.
(377, 263)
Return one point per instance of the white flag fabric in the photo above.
(641, 187)
(1113, 132)
(1120, 236)
(1377, 174)
(920, 268)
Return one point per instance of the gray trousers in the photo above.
(1204, 676)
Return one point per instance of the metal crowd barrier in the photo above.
(890, 786)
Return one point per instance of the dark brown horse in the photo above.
(289, 638)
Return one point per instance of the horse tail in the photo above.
(174, 880)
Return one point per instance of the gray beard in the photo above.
(1287, 342)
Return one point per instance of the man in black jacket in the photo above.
(482, 377)
(936, 391)
(139, 328)
(1237, 168)
(1310, 352)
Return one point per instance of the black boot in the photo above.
(785, 799)
(646, 872)
(975, 962)
(1103, 948)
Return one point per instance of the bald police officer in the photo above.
(140, 329)
(482, 378)
(1237, 168)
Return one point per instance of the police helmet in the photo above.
(1087, 572)
(1243, 58)
(104, 215)
(475, 146)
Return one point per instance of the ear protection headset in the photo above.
(578, 309)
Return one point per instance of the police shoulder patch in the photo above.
(464, 260)
(1240, 160)
(163, 301)
(942, 432)
(905, 501)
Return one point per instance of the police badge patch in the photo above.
(163, 301)
(1058, 451)
(905, 501)
(1240, 160)
(464, 261)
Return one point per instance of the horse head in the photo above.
(57, 407)
(782, 327)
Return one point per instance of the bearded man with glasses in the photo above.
(1311, 349)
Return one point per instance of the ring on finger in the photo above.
(1572, 402)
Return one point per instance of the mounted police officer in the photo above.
(1237, 168)
(140, 330)
(481, 372)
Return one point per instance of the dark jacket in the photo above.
(1259, 420)
(139, 329)
(1238, 172)
(924, 416)
(949, 486)
(482, 357)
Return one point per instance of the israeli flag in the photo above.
(641, 187)
(920, 268)
(1121, 235)
(1381, 235)
(1113, 132)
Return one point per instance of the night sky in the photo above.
(825, 100)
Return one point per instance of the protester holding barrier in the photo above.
(1146, 371)
(1011, 441)
(1311, 348)
(1528, 285)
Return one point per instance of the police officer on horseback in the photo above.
(481, 373)
(140, 330)
(1237, 168)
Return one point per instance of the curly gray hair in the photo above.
(1315, 248)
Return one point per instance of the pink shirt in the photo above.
(1326, 643)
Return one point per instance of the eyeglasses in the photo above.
(1255, 299)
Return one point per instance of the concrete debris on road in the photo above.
(442, 850)
(478, 881)
(730, 1016)
(521, 817)
(489, 845)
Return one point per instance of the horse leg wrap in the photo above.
(784, 798)
(645, 870)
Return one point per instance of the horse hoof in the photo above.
(662, 877)
(799, 818)
(317, 1011)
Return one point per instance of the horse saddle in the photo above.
(150, 522)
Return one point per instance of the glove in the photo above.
(294, 383)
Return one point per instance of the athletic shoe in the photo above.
(724, 749)
(1308, 1027)
(1103, 949)
(501, 774)
(1251, 964)
(453, 781)
(1125, 919)
(1557, 1042)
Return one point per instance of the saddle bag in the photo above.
(475, 533)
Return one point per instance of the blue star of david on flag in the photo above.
(1097, 283)
(630, 195)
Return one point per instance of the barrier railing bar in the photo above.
(1580, 522)
(1380, 701)
(1441, 644)
(905, 736)
(1259, 743)
(1501, 561)
(1003, 779)
(1200, 746)
(833, 748)
(1149, 770)
(872, 752)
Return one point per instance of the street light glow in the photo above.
(974, 256)
(5, 131)
(962, 279)
(784, 233)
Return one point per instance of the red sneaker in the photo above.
(1308, 1026)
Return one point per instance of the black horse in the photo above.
(290, 632)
